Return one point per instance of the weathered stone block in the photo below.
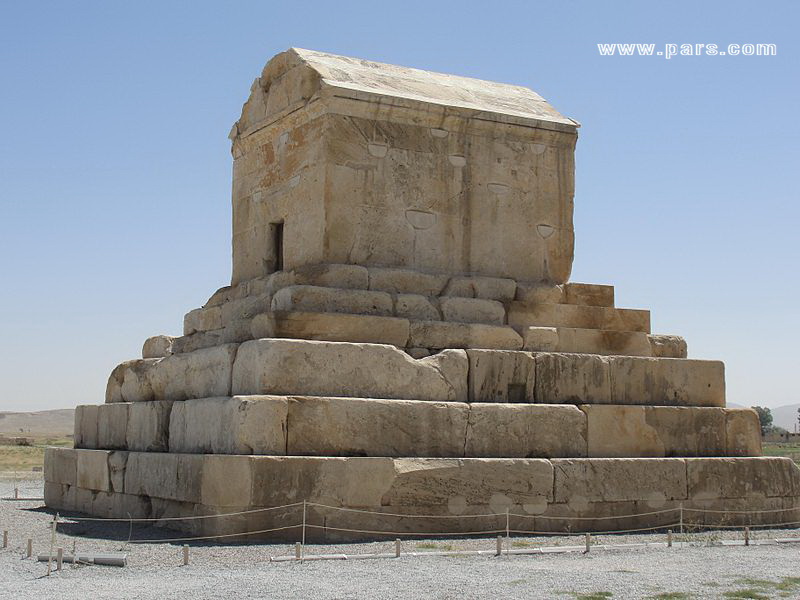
(295, 367)
(368, 427)
(525, 431)
(129, 381)
(117, 461)
(353, 277)
(540, 293)
(404, 281)
(93, 472)
(440, 334)
(743, 432)
(164, 475)
(319, 299)
(242, 309)
(238, 425)
(501, 376)
(472, 310)
(202, 319)
(85, 430)
(668, 346)
(148, 426)
(589, 294)
(653, 481)
(334, 327)
(61, 466)
(522, 315)
(617, 431)
(490, 288)
(112, 426)
(711, 478)
(667, 381)
(416, 307)
(572, 379)
(227, 481)
(586, 341)
(200, 374)
(157, 346)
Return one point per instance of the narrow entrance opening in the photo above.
(277, 245)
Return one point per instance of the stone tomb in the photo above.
(401, 336)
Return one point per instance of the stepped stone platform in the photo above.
(400, 337)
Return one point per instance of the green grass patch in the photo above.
(594, 596)
(747, 594)
(434, 546)
(672, 596)
(24, 458)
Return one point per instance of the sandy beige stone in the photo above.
(521, 315)
(370, 427)
(668, 381)
(129, 381)
(572, 379)
(319, 299)
(346, 277)
(92, 470)
(589, 294)
(148, 426)
(416, 307)
(112, 426)
(200, 374)
(164, 475)
(334, 327)
(472, 310)
(587, 341)
(435, 334)
(540, 293)
(711, 478)
(85, 430)
(227, 481)
(526, 431)
(405, 281)
(668, 346)
(743, 432)
(60, 466)
(275, 366)
(201, 319)
(237, 425)
(490, 288)
(157, 346)
(617, 431)
(501, 376)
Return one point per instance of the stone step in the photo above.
(332, 426)
(603, 342)
(538, 494)
(524, 314)
(322, 368)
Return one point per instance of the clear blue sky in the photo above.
(115, 164)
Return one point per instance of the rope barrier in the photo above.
(192, 518)
(212, 537)
(387, 514)
(644, 514)
(741, 512)
(407, 533)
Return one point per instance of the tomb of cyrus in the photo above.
(400, 336)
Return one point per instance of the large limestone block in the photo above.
(117, 462)
(112, 426)
(158, 346)
(404, 281)
(539, 293)
(319, 299)
(490, 288)
(202, 319)
(617, 431)
(433, 334)
(346, 277)
(742, 432)
(668, 346)
(450, 485)
(298, 367)
(501, 376)
(245, 308)
(654, 481)
(334, 327)
(586, 341)
(93, 472)
(85, 430)
(526, 431)
(148, 426)
(712, 478)
(522, 315)
(416, 307)
(369, 427)
(164, 475)
(227, 481)
(238, 425)
(572, 379)
(60, 465)
(200, 374)
(589, 294)
(671, 381)
(130, 381)
(472, 310)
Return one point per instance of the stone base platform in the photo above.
(449, 495)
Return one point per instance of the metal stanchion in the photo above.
(397, 548)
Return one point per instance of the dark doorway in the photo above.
(277, 245)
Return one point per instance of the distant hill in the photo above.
(785, 416)
(46, 423)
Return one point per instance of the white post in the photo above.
(30, 547)
(669, 538)
(5, 538)
(298, 550)
(588, 541)
(681, 514)
(59, 558)
(746, 536)
(16, 493)
(304, 523)
(397, 548)
(508, 534)
(499, 545)
(52, 543)
(185, 554)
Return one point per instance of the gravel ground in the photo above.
(702, 568)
